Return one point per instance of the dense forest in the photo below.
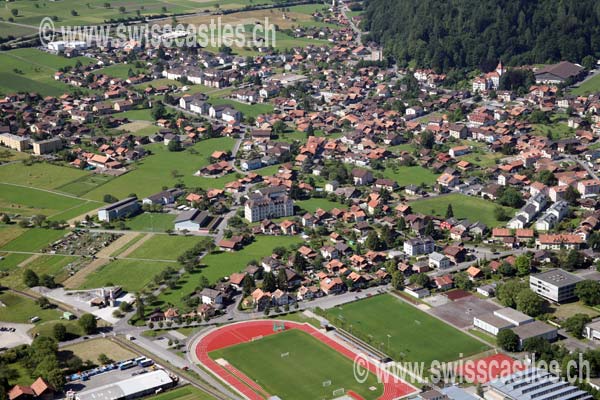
(449, 34)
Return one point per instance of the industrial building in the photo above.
(534, 384)
(134, 387)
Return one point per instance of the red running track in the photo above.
(241, 332)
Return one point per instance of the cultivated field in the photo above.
(46, 264)
(472, 208)
(414, 335)
(301, 374)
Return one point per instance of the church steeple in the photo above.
(500, 68)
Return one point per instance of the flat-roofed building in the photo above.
(517, 318)
(120, 209)
(534, 384)
(137, 386)
(15, 142)
(47, 146)
(535, 329)
(555, 285)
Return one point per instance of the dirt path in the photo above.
(135, 246)
(28, 261)
(102, 258)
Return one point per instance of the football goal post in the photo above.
(284, 355)
(326, 383)
(338, 392)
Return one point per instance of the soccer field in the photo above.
(414, 335)
(301, 374)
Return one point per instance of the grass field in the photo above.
(300, 375)
(40, 175)
(10, 261)
(82, 185)
(221, 264)
(156, 171)
(311, 205)
(410, 175)
(151, 222)
(185, 286)
(133, 241)
(74, 330)
(46, 264)
(34, 239)
(120, 71)
(31, 70)
(131, 275)
(415, 335)
(472, 208)
(9, 232)
(165, 247)
(91, 349)
(30, 201)
(182, 393)
(590, 86)
(20, 309)
(144, 114)
(94, 11)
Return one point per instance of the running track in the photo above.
(241, 332)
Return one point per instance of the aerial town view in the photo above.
(300, 199)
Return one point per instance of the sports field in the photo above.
(301, 374)
(414, 335)
(472, 208)
(299, 362)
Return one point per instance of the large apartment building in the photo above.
(270, 202)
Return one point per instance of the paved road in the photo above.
(583, 164)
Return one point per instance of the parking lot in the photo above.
(105, 378)
(12, 335)
(460, 313)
